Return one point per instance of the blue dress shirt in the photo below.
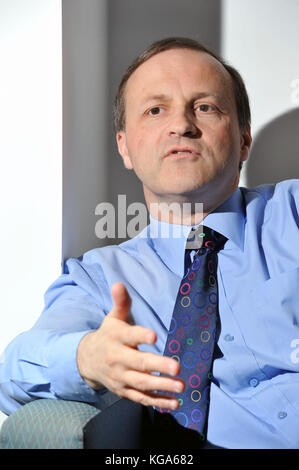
(255, 393)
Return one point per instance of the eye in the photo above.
(155, 111)
(205, 108)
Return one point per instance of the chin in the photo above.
(183, 190)
(194, 184)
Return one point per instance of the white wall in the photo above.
(30, 159)
(261, 39)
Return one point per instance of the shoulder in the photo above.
(269, 193)
(109, 255)
(279, 200)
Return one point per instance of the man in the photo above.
(183, 126)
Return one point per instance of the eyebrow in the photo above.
(159, 97)
(163, 97)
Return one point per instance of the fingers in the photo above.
(122, 359)
(149, 362)
(137, 371)
(121, 302)
(124, 333)
(149, 390)
(121, 311)
(156, 400)
(151, 383)
(133, 373)
(135, 335)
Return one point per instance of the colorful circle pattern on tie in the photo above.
(192, 334)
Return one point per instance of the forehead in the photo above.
(184, 69)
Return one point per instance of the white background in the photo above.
(30, 159)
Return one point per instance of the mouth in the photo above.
(181, 152)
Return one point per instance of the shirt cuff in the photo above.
(66, 381)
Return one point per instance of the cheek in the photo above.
(225, 142)
(135, 138)
(141, 155)
(142, 145)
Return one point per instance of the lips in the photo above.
(177, 151)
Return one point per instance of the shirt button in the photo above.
(282, 415)
(253, 382)
(229, 337)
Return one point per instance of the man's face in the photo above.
(182, 136)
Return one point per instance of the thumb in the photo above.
(121, 302)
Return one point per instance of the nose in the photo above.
(182, 125)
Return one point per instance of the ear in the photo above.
(121, 140)
(245, 142)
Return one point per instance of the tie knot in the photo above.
(205, 238)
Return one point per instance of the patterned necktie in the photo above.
(193, 329)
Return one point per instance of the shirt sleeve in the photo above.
(41, 362)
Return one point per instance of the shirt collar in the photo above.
(169, 240)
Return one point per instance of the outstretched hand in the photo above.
(109, 357)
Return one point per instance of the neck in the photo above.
(188, 209)
(182, 210)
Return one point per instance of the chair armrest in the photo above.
(47, 424)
